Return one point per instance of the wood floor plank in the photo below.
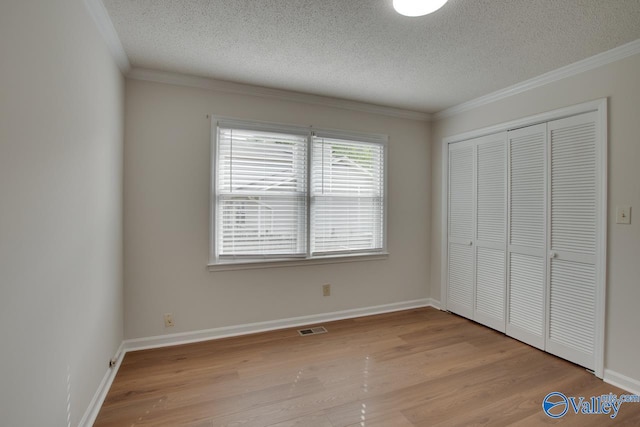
(313, 420)
(394, 419)
(414, 368)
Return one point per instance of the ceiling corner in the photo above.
(101, 17)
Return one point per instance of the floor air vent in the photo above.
(313, 331)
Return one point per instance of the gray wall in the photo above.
(61, 136)
(167, 175)
(62, 120)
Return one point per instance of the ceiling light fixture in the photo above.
(417, 7)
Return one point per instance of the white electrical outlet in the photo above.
(326, 290)
(168, 320)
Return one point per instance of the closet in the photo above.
(526, 225)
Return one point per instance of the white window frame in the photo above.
(217, 264)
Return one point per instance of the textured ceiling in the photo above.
(362, 50)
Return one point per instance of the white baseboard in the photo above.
(624, 382)
(435, 303)
(251, 328)
(611, 377)
(92, 411)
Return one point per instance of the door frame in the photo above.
(600, 107)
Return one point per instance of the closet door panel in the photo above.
(526, 293)
(492, 189)
(573, 185)
(490, 287)
(572, 311)
(527, 235)
(573, 235)
(491, 221)
(460, 298)
(460, 290)
(527, 187)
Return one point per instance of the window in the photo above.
(347, 212)
(283, 192)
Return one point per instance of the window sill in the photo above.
(335, 259)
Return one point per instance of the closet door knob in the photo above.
(553, 254)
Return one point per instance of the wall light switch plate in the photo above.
(623, 215)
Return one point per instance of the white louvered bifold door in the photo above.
(490, 239)
(573, 210)
(526, 272)
(460, 289)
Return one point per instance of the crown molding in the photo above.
(245, 89)
(604, 58)
(108, 32)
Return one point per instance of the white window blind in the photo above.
(261, 196)
(289, 192)
(347, 196)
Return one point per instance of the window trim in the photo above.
(217, 264)
(296, 262)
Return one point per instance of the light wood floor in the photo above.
(413, 368)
